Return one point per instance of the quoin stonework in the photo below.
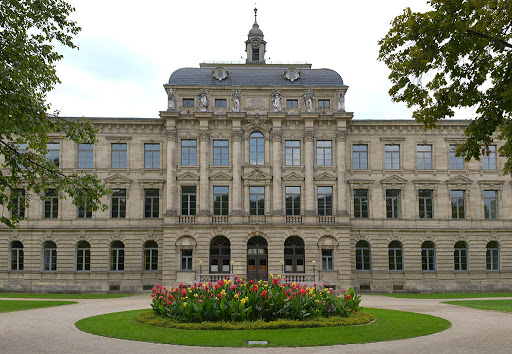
(255, 169)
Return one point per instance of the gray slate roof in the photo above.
(256, 76)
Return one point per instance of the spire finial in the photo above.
(255, 14)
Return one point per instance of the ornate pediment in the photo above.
(221, 176)
(293, 177)
(117, 180)
(459, 181)
(393, 180)
(257, 175)
(325, 177)
(188, 176)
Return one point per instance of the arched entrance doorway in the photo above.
(294, 255)
(257, 258)
(220, 255)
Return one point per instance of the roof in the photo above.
(256, 76)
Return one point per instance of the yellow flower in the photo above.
(184, 304)
(196, 295)
(223, 292)
(271, 275)
(279, 276)
(236, 296)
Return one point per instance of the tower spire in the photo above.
(255, 14)
(255, 45)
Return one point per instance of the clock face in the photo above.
(255, 43)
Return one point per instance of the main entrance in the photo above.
(257, 258)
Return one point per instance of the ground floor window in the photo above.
(83, 256)
(220, 255)
(186, 259)
(117, 256)
(460, 256)
(150, 256)
(363, 255)
(49, 256)
(396, 261)
(17, 255)
(294, 255)
(493, 256)
(428, 256)
(327, 260)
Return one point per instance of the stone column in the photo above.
(172, 195)
(277, 187)
(236, 139)
(204, 181)
(341, 138)
(309, 185)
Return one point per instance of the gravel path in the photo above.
(51, 330)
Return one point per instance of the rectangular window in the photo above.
(221, 102)
(118, 206)
(189, 152)
(491, 204)
(186, 260)
(456, 162)
(292, 103)
(292, 200)
(85, 155)
(51, 204)
(18, 207)
(324, 103)
(220, 200)
(53, 153)
(220, 152)
(327, 260)
(392, 157)
(257, 200)
(360, 157)
(188, 102)
(22, 150)
(426, 202)
(489, 161)
(324, 153)
(393, 204)
(84, 211)
(188, 200)
(292, 152)
(151, 155)
(458, 204)
(428, 260)
(361, 203)
(151, 203)
(324, 200)
(119, 155)
(424, 157)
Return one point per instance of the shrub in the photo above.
(239, 300)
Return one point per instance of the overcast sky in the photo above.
(128, 49)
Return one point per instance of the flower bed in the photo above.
(239, 300)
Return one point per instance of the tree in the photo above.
(456, 56)
(29, 30)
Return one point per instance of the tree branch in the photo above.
(481, 35)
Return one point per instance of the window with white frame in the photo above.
(150, 256)
(220, 200)
(118, 204)
(188, 200)
(424, 157)
(324, 195)
(256, 149)
(151, 156)
(16, 255)
(151, 203)
(360, 157)
(492, 256)
(292, 200)
(456, 162)
(188, 152)
(491, 204)
(324, 153)
(53, 153)
(428, 256)
(395, 256)
(392, 157)
(220, 152)
(49, 256)
(51, 204)
(327, 259)
(489, 158)
(324, 103)
(83, 256)
(186, 259)
(426, 203)
(257, 200)
(221, 102)
(460, 256)
(18, 202)
(292, 152)
(361, 210)
(393, 204)
(85, 155)
(119, 155)
(84, 210)
(117, 256)
(188, 102)
(363, 256)
(458, 201)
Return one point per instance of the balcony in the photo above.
(186, 219)
(257, 219)
(326, 219)
(220, 219)
(302, 278)
(293, 219)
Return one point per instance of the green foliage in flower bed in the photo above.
(154, 319)
(250, 301)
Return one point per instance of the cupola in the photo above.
(255, 45)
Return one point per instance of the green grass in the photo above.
(496, 305)
(60, 296)
(449, 295)
(390, 325)
(15, 305)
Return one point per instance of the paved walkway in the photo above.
(51, 330)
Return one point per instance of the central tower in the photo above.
(255, 45)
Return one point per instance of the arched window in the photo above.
(460, 256)
(49, 256)
(492, 256)
(17, 255)
(294, 255)
(428, 256)
(220, 255)
(363, 256)
(256, 149)
(396, 261)
(83, 256)
(151, 255)
(117, 256)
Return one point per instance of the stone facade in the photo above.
(224, 129)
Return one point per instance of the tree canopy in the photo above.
(29, 31)
(458, 55)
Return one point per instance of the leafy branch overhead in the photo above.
(457, 55)
(29, 30)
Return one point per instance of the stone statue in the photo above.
(171, 106)
(308, 98)
(237, 97)
(341, 101)
(275, 97)
(202, 95)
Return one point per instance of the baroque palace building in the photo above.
(256, 169)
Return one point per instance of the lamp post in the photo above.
(313, 263)
(200, 267)
(232, 263)
(282, 267)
